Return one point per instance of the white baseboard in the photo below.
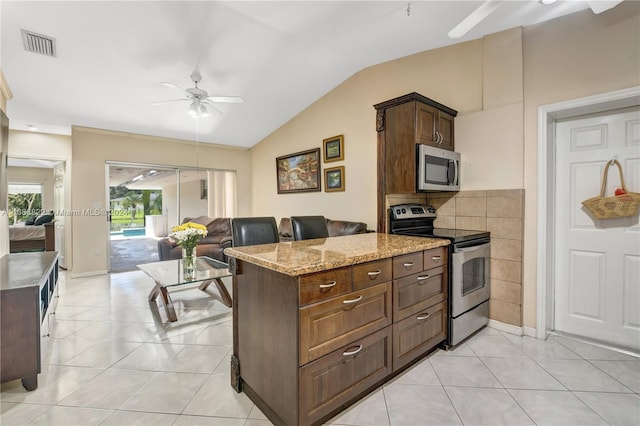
(88, 274)
(507, 328)
(530, 331)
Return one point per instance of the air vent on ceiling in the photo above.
(38, 43)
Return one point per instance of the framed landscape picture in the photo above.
(299, 172)
(333, 149)
(334, 179)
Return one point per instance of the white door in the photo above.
(59, 206)
(597, 262)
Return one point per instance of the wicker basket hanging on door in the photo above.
(622, 205)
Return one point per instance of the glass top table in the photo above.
(170, 273)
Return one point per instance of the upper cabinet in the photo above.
(434, 126)
(402, 123)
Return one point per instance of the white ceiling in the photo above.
(279, 56)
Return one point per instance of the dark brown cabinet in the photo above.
(27, 294)
(309, 345)
(402, 123)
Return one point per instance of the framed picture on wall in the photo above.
(334, 179)
(299, 172)
(333, 148)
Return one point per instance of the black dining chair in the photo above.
(308, 227)
(249, 231)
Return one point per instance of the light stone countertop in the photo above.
(308, 256)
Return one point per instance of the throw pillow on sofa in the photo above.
(43, 218)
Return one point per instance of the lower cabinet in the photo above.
(307, 346)
(419, 333)
(327, 383)
(27, 297)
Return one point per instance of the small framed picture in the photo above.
(334, 179)
(333, 148)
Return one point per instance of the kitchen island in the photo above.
(320, 323)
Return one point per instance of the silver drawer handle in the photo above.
(329, 285)
(409, 264)
(422, 317)
(373, 274)
(436, 258)
(422, 277)
(356, 300)
(353, 352)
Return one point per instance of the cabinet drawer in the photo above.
(407, 264)
(330, 381)
(327, 326)
(435, 257)
(416, 292)
(324, 285)
(372, 273)
(418, 333)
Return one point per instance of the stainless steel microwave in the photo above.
(438, 169)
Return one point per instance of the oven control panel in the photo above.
(412, 211)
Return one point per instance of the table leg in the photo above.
(168, 305)
(154, 293)
(226, 298)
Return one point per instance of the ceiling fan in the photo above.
(489, 6)
(200, 101)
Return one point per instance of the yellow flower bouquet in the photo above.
(187, 235)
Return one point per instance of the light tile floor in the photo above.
(112, 360)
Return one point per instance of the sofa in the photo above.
(218, 238)
(336, 228)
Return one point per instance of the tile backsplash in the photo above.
(501, 213)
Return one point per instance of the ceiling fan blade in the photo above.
(474, 18)
(168, 102)
(175, 86)
(212, 108)
(602, 6)
(229, 99)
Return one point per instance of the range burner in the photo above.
(417, 220)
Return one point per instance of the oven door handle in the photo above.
(472, 248)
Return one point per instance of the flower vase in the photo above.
(188, 263)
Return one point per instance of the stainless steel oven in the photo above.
(469, 267)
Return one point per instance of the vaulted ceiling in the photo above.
(280, 57)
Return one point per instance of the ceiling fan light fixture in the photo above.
(193, 109)
(204, 112)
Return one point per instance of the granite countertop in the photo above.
(304, 257)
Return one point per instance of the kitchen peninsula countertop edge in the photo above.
(304, 257)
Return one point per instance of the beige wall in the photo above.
(578, 56)
(92, 148)
(35, 175)
(496, 84)
(348, 110)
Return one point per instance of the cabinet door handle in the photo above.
(408, 264)
(328, 285)
(437, 138)
(422, 317)
(374, 273)
(436, 258)
(422, 277)
(356, 300)
(352, 352)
